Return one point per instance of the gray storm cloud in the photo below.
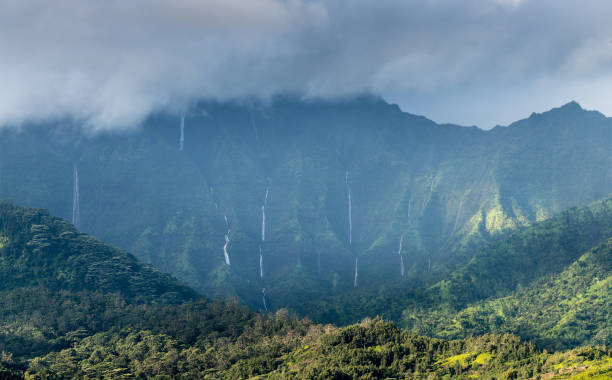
(111, 63)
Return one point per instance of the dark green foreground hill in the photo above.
(73, 307)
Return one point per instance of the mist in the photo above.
(108, 65)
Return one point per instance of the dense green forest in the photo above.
(72, 306)
(442, 190)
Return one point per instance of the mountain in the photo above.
(505, 286)
(74, 307)
(442, 190)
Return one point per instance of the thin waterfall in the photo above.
(429, 262)
(350, 208)
(261, 274)
(263, 215)
(182, 138)
(76, 206)
(263, 223)
(227, 240)
(399, 252)
(458, 215)
(263, 231)
(356, 278)
(263, 291)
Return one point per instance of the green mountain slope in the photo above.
(37, 249)
(570, 308)
(73, 307)
(446, 189)
(514, 269)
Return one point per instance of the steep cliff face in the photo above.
(173, 189)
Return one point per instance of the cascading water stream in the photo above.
(399, 252)
(263, 231)
(356, 278)
(458, 216)
(263, 298)
(350, 225)
(182, 138)
(225, 253)
(76, 206)
(261, 274)
(227, 240)
(350, 208)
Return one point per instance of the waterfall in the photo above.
(260, 262)
(350, 209)
(399, 252)
(76, 207)
(409, 209)
(182, 139)
(429, 263)
(263, 291)
(263, 215)
(458, 216)
(225, 253)
(263, 223)
(263, 231)
(227, 259)
(356, 279)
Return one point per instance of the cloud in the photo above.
(111, 63)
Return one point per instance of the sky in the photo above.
(110, 63)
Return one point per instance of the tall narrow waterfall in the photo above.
(225, 253)
(260, 263)
(76, 206)
(263, 231)
(356, 278)
(263, 291)
(350, 208)
(458, 216)
(263, 215)
(399, 252)
(409, 210)
(227, 239)
(182, 138)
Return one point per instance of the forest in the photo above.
(74, 307)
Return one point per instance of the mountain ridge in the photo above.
(443, 188)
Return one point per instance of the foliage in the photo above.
(122, 327)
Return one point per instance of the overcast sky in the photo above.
(110, 63)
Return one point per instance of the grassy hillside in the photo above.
(567, 309)
(446, 189)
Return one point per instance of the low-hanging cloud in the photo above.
(111, 63)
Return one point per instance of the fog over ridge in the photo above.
(484, 62)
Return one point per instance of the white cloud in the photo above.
(111, 63)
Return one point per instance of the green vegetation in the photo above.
(136, 322)
(548, 283)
